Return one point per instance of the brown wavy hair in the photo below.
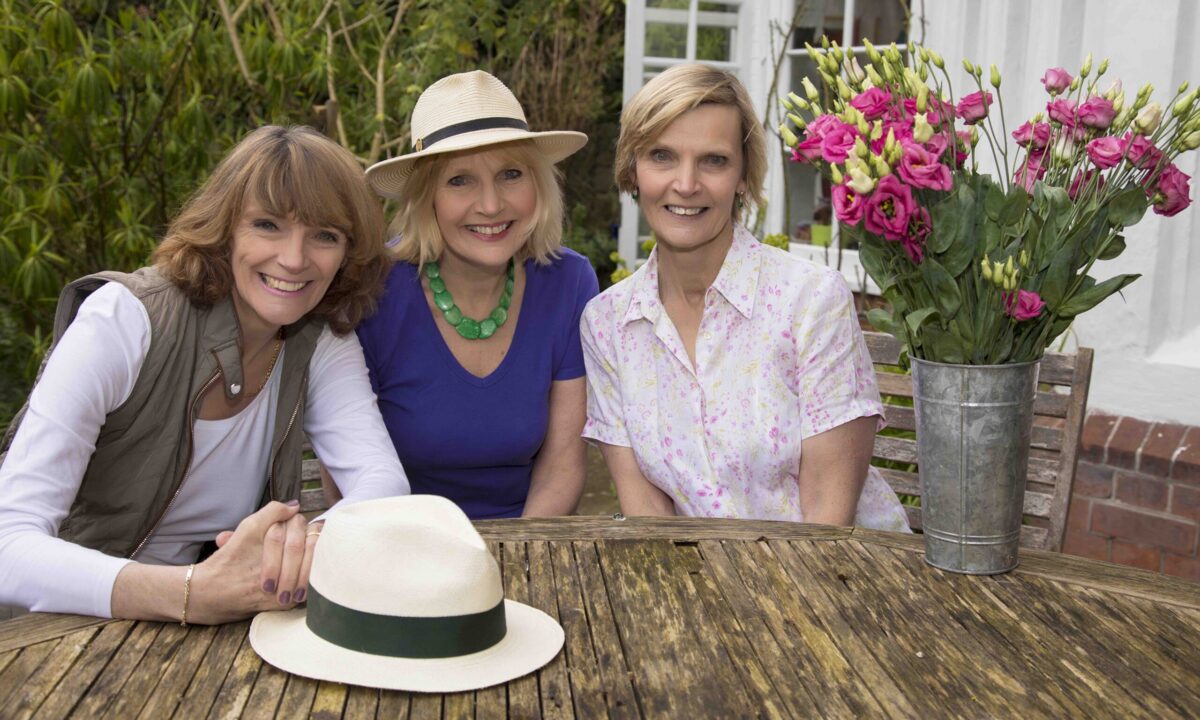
(287, 171)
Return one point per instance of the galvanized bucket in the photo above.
(973, 427)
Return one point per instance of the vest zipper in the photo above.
(187, 463)
(283, 439)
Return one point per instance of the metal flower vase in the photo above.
(973, 428)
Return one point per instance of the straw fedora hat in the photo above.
(462, 112)
(404, 595)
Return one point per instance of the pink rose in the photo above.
(1029, 134)
(872, 103)
(1030, 172)
(838, 142)
(974, 107)
(1096, 112)
(1083, 180)
(1171, 194)
(1056, 80)
(889, 208)
(848, 205)
(1028, 305)
(919, 227)
(1106, 151)
(1062, 111)
(920, 168)
(1142, 152)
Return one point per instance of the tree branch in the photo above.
(231, 27)
(381, 82)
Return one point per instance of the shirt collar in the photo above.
(737, 280)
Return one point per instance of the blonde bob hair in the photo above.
(287, 171)
(674, 92)
(416, 221)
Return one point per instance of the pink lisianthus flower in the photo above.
(1056, 80)
(848, 205)
(889, 208)
(1030, 171)
(1063, 112)
(1082, 180)
(920, 168)
(1172, 193)
(1097, 112)
(1142, 153)
(838, 142)
(974, 107)
(919, 227)
(872, 103)
(902, 131)
(809, 149)
(1025, 306)
(1106, 151)
(1036, 136)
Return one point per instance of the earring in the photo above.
(741, 203)
(634, 194)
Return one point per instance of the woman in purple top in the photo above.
(474, 352)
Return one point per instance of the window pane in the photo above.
(672, 4)
(664, 40)
(714, 43)
(717, 7)
(880, 21)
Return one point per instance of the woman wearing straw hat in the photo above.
(174, 402)
(474, 351)
(727, 378)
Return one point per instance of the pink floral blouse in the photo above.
(779, 357)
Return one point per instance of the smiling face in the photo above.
(485, 203)
(281, 268)
(689, 177)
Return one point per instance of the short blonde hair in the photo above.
(288, 171)
(674, 92)
(421, 240)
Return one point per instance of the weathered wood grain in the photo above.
(297, 697)
(586, 691)
(177, 674)
(684, 529)
(148, 672)
(393, 704)
(523, 691)
(238, 684)
(116, 672)
(361, 703)
(329, 701)
(217, 662)
(616, 675)
(266, 694)
(554, 689)
(738, 629)
(33, 628)
(425, 707)
(18, 672)
(72, 687)
(41, 683)
(458, 706)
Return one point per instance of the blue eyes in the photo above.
(325, 237)
(509, 175)
(665, 156)
(264, 225)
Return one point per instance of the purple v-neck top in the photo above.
(471, 439)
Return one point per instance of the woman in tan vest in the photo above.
(172, 407)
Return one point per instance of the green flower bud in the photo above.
(810, 90)
(860, 181)
(844, 90)
(1191, 141)
(860, 147)
(872, 54)
(923, 73)
(995, 77)
(797, 100)
(985, 269)
(789, 137)
(1087, 66)
(1184, 104)
(1183, 86)
(1074, 84)
(1038, 117)
(938, 62)
(862, 126)
(812, 53)
(835, 174)
(799, 121)
(1025, 253)
(923, 54)
(1148, 120)
(1008, 266)
(970, 68)
(854, 71)
(825, 41)
(922, 130)
(873, 75)
(876, 130)
(1103, 67)
(880, 166)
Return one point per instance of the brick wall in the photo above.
(1136, 499)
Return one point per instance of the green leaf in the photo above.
(1055, 279)
(1116, 246)
(953, 219)
(1015, 206)
(883, 321)
(875, 263)
(994, 202)
(962, 253)
(1127, 207)
(940, 346)
(917, 318)
(942, 287)
(1089, 298)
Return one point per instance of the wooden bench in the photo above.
(1059, 409)
(1059, 412)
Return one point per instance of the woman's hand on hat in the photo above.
(266, 550)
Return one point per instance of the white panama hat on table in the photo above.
(467, 111)
(404, 595)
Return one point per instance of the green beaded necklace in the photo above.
(468, 328)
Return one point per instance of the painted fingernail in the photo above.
(299, 595)
(269, 586)
(293, 503)
(285, 597)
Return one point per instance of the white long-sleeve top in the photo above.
(91, 372)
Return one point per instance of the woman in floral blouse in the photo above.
(726, 378)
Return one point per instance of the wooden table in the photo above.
(695, 618)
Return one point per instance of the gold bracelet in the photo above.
(187, 593)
